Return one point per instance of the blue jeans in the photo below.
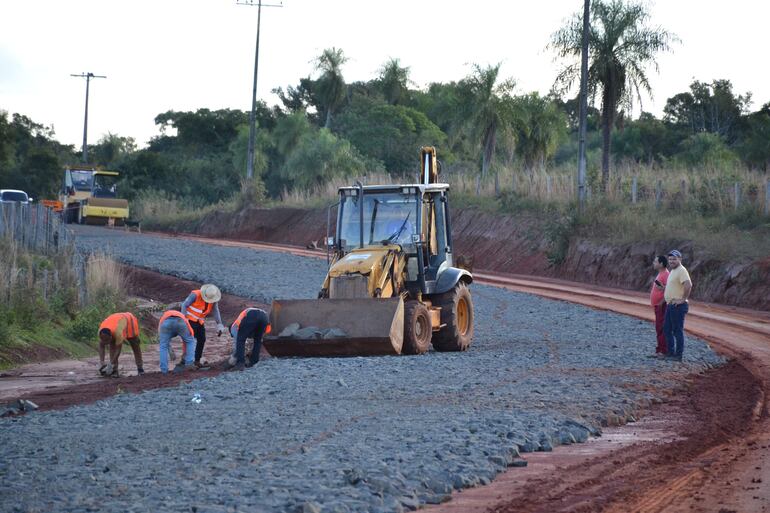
(175, 327)
(673, 328)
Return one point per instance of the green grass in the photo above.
(40, 309)
(19, 343)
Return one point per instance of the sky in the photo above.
(161, 55)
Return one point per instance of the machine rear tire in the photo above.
(457, 316)
(417, 328)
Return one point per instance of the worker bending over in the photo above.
(174, 324)
(251, 323)
(113, 331)
(198, 305)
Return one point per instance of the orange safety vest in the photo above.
(111, 323)
(199, 309)
(237, 321)
(175, 313)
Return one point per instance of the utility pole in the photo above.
(253, 114)
(88, 76)
(583, 110)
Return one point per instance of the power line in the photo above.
(253, 114)
(88, 76)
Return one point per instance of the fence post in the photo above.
(82, 291)
(658, 193)
(683, 188)
(634, 190)
(767, 196)
(45, 285)
(548, 185)
(737, 194)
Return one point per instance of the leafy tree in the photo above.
(571, 108)
(30, 157)
(150, 170)
(319, 157)
(539, 127)
(111, 148)
(621, 45)
(488, 111)
(755, 144)
(646, 139)
(239, 150)
(331, 84)
(706, 149)
(204, 130)
(391, 134)
(302, 98)
(289, 131)
(712, 108)
(394, 81)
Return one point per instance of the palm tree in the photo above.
(621, 46)
(488, 112)
(394, 80)
(331, 84)
(539, 127)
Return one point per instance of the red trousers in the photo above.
(660, 315)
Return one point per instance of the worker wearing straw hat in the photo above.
(198, 305)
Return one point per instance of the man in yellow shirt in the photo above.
(678, 289)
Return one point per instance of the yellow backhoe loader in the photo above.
(89, 196)
(391, 287)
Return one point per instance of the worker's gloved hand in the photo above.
(220, 329)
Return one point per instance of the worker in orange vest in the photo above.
(251, 323)
(113, 332)
(198, 305)
(172, 324)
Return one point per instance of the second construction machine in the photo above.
(391, 287)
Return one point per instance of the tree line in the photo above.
(325, 127)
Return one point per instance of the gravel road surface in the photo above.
(336, 435)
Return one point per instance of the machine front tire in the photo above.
(417, 328)
(457, 316)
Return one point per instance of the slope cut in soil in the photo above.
(518, 244)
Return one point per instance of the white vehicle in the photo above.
(14, 196)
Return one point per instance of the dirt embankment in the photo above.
(509, 244)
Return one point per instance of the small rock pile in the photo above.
(294, 330)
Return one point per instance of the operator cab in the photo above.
(414, 216)
(90, 182)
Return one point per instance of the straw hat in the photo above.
(210, 293)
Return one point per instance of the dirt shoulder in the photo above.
(62, 383)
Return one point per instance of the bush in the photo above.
(85, 326)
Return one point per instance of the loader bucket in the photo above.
(371, 327)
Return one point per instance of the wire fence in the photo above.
(37, 257)
(716, 194)
(34, 227)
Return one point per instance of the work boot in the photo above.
(180, 368)
(238, 366)
(140, 370)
